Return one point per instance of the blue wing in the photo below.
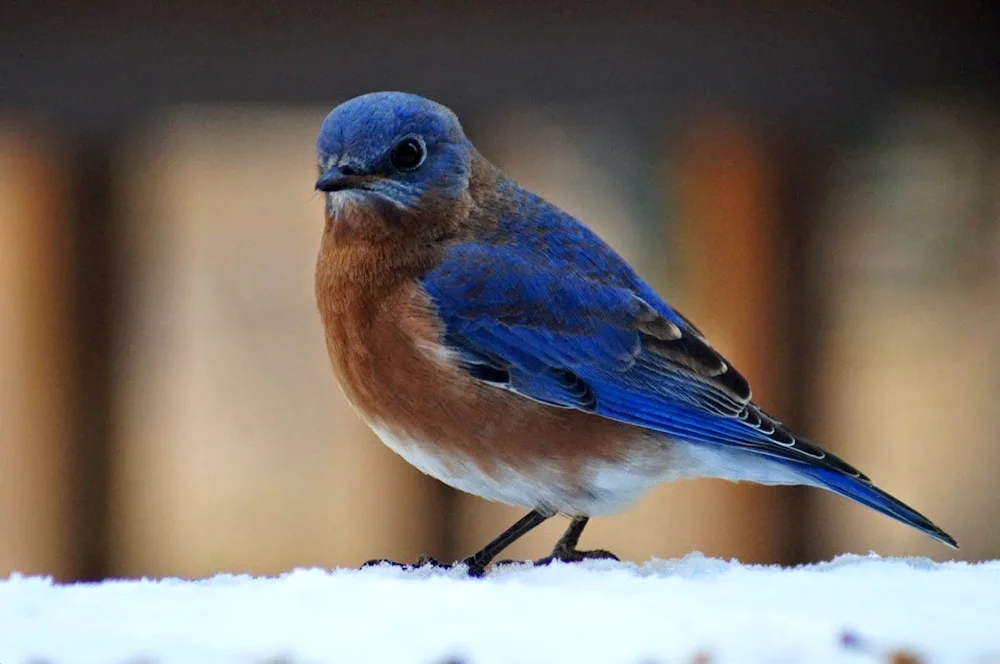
(578, 342)
(554, 314)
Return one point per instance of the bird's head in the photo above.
(392, 151)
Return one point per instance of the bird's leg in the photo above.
(566, 551)
(478, 561)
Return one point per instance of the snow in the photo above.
(692, 609)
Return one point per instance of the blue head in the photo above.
(392, 148)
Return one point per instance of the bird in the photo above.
(500, 346)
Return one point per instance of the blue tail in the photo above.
(857, 489)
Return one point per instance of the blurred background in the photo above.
(817, 185)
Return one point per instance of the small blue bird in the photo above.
(499, 345)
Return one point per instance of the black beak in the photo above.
(336, 179)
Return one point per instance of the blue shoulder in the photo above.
(538, 251)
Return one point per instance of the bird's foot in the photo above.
(562, 555)
(574, 555)
(473, 566)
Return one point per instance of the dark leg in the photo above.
(478, 561)
(566, 550)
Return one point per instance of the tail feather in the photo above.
(871, 496)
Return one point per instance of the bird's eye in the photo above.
(408, 154)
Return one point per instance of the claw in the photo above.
(575, 556)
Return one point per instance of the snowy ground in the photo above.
(693, 609)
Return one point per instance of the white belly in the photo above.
(541, 488)
(600, 488)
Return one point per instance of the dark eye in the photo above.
(408, 154)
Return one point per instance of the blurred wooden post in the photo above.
(35, 480)
(910, 365)
(236, 450)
